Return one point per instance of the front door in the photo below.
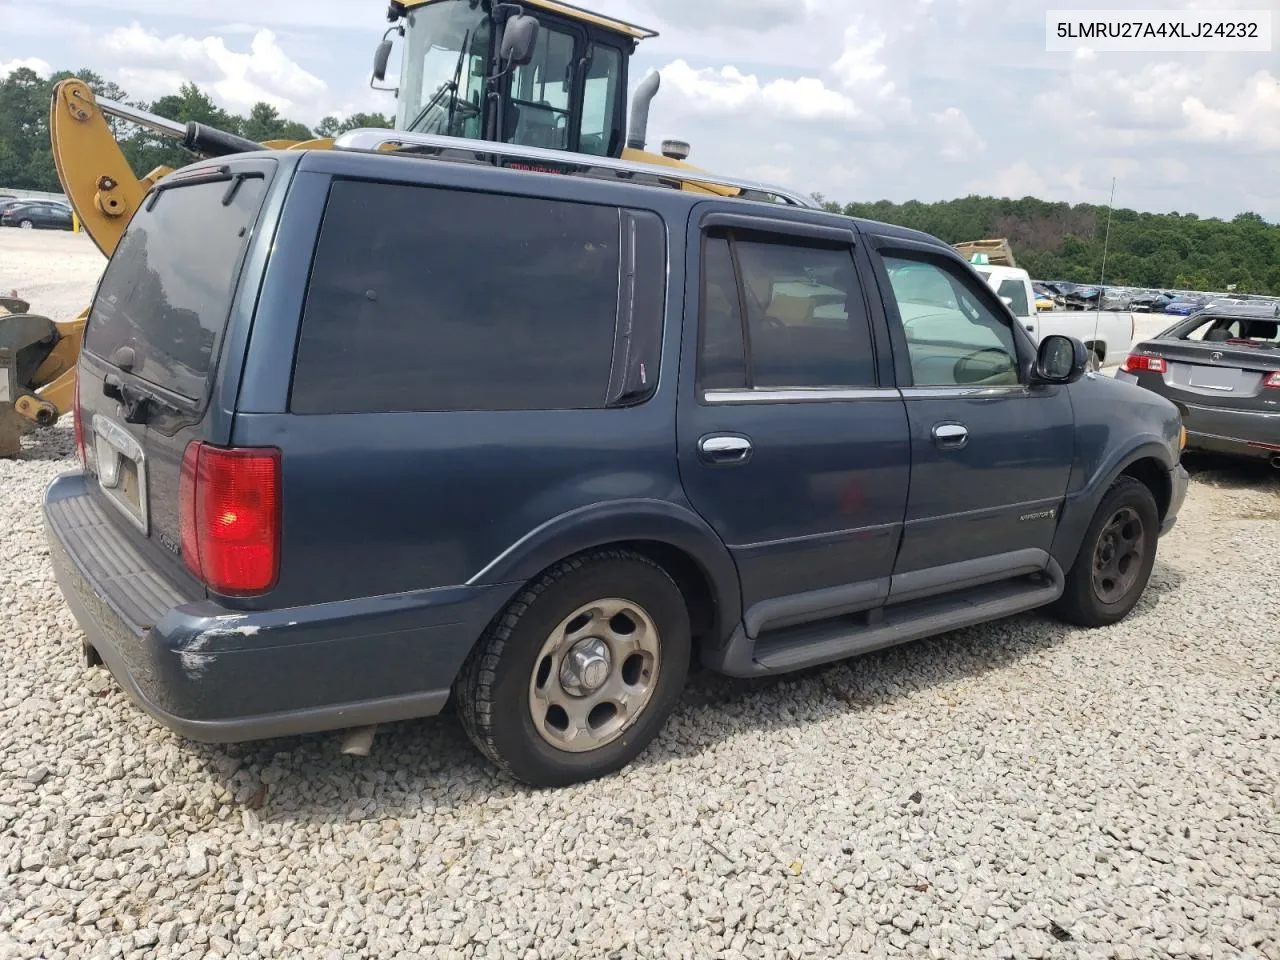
(991, 455)
(792, 437)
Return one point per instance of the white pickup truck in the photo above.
(1107, 334)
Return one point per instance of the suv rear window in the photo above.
(166, 293)
(431, 299)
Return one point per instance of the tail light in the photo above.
(1273, 381)
(1140, 362)
(77, 424)
(230, 517)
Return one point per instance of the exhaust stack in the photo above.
(645, 93)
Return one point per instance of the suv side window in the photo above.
(953, 337)
(418, 302)
(781, 313)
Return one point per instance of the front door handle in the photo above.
(724, 448)
(950, 436)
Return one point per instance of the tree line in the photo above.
(1061, 241)
(1054, 241)
(26, 155)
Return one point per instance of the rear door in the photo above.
(153, 342)
(792, 435)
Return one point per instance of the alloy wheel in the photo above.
(594, 675)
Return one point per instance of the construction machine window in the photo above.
(601, 132)
(805, 324)
(418, 303)
(953, 337)
(540, 91)
(166, 293)
(443, 69)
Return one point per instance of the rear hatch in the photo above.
(152, 343)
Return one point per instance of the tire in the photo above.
(1095, 361)
(1090, 601)
(26, 225)
(510, 690)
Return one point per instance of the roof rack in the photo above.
(580, 164)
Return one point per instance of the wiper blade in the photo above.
(457, 78)
(422, 114)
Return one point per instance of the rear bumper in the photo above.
(1254, 433)
(1211, 429)
(219, 675)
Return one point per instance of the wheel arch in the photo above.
(1147, 461)
(671, 535)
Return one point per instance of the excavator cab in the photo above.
(537, 74)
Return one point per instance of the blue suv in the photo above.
(363, 433)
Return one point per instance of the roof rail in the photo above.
(584, 164)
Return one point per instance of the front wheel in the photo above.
(580, 672)
(1114, 564)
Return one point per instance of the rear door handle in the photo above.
(950, 436)
(724, 448)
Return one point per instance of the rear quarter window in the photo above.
(430, 299)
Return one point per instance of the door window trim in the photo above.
(778, 231)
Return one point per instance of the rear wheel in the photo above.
(580, 672)
(1114, 564)
(26, 224)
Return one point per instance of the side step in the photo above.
(813, 644)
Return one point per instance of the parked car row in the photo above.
(1074, 296)
(35, 214)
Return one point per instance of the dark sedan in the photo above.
(37, 215)
(1221, 366)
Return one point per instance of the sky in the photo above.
(903, 100)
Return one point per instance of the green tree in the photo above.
(265, 123)
(332, 126)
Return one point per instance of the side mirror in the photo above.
(518, 39)
(1060, 360)
(380, 58)
(1007, 301)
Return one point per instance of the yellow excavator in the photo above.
(538, 74)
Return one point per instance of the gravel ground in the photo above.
(53, 270)
(1015, 790)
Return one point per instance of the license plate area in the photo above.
(122, 469)
(1223, 379)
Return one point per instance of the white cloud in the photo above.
(770, 173)
(859, 65)
(730, 15)
(1250, 117)
(960, 141)
(729, 90)
(150, 66)
(41, 67)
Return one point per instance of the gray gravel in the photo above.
(1018, 790)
